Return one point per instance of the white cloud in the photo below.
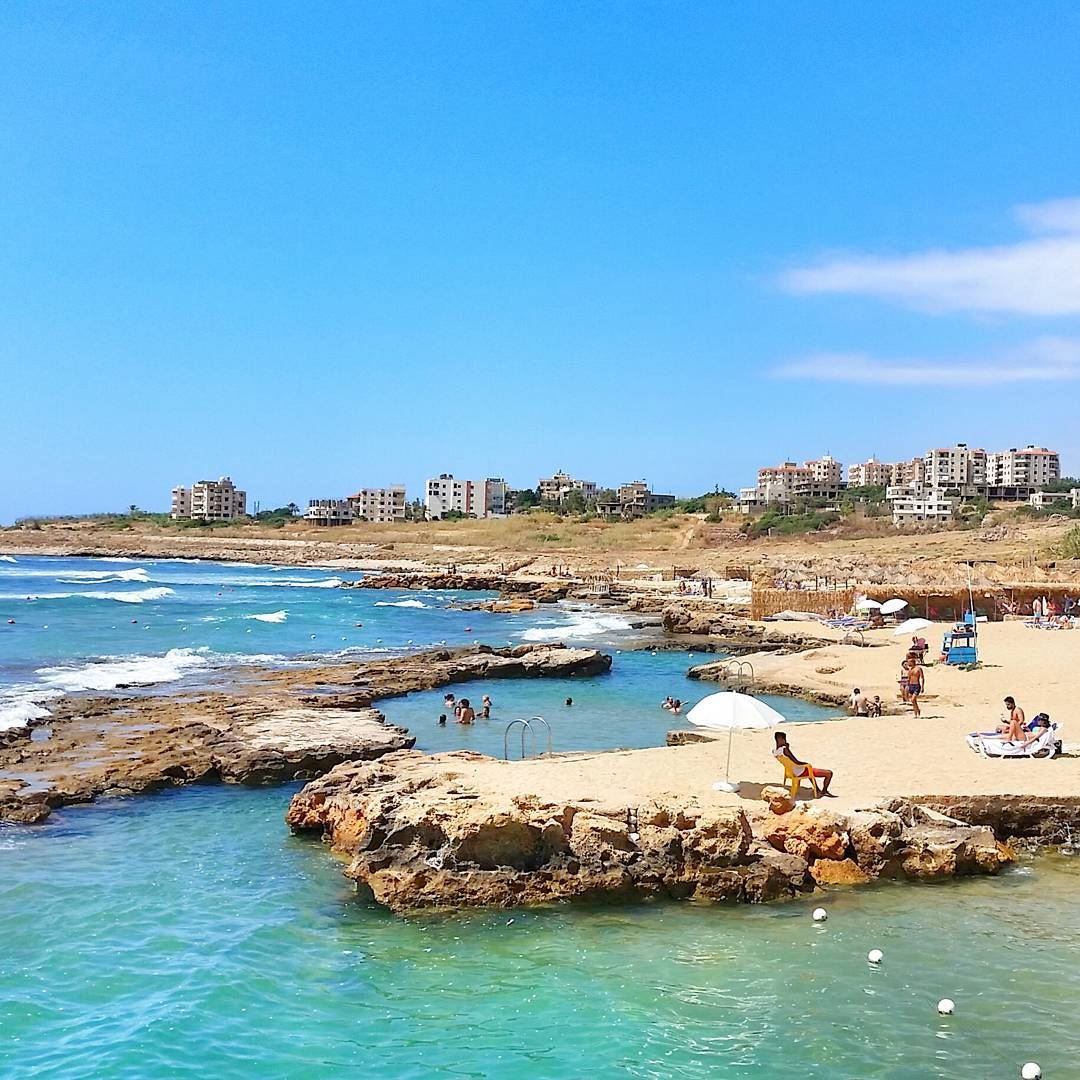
(1039, 360)
(1038, 276)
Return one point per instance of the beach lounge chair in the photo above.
(1045, 746)
(795, 781)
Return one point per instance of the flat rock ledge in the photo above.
(268, 726)
(417, 837)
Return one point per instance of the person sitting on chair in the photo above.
(801, 768)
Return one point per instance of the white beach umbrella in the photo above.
(891, 607)
(866, 604)
(732, 711)
(909, 626)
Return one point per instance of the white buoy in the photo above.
(946, 1006)
(1032, 1071)
(875, 956)
(820, 914)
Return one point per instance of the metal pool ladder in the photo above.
(741, 672)
(526, 729)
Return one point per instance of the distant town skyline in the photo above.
(333, 247)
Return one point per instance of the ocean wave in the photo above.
(8, 558)
(400, 603)
(295, 583)
(138, 596)
(111, 672)
(579, 625)
(270, 616)
(21, 707)
(81, 577)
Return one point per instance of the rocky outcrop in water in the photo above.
(270, 726)
(418, 835)
(543, 592)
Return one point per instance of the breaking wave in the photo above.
(82, 577)
(8, 558)
(580, 625)
(400, 603)
(138, 596)
(270, 616)
(112, 672)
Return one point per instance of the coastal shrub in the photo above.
(1070, 543)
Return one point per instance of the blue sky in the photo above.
(319, 246)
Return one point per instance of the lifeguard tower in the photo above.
(961, 644)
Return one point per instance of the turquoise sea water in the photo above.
(188, 934)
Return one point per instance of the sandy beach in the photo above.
(872, 758)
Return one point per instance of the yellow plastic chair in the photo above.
(794, 780)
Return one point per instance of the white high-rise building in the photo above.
(1033, 466)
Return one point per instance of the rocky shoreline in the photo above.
(268, 726)
(418, 834)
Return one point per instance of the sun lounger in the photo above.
(1045, 746)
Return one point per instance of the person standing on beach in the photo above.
(916, 683)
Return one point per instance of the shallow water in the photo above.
(189, 934)
(620, 709)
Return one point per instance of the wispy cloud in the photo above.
(1039, 360)
(1039, 276)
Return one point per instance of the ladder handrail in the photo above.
(547, 726)
(526, 729)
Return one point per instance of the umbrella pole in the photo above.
(727, 767)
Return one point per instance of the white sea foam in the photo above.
(295, 583)
(20, 706)
(82, 577)
(270, 616)
(137, 596)
(579, 625)
(8, 558)
(400, 603)
(111, 672)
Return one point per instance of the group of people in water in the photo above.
(463, 711)
(672, 705)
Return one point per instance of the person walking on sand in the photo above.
(802, 769)
(916, 684)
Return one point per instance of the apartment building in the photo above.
(931, 505)
(383, 506)
(328, 512)
(958, 467)
(555, 489)
(870, 473)
(480, 498)
(1031, 467)
(209, 500)
(789, 482)
(634, 500)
